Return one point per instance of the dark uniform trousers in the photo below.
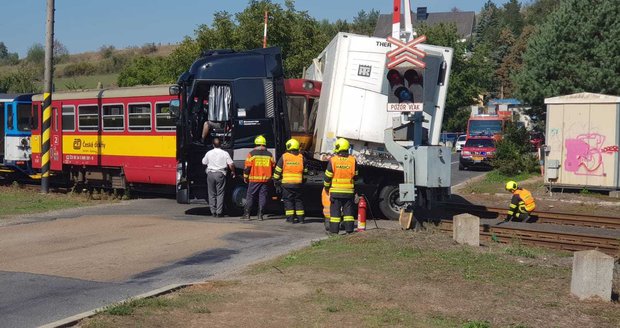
(292, 196)
(256, 190)
(342, 206)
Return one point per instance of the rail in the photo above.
(593, 221)
(557, 240)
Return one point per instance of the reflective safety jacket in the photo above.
(258, 165)
(340, 175)
(525, 198)
(290, 169)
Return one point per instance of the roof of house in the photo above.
(464, 21)
(583, 98)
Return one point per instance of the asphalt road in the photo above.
(462, 176)
(30, 296)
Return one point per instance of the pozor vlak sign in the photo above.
(405, 75)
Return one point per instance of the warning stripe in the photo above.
(45, 142)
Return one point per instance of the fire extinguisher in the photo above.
(361, 214)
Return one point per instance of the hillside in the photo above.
(86, 70)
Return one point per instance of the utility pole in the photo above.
(47, 98)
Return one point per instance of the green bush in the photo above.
(513, 154)
(79, 69)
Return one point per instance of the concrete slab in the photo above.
(466, 229)
(592, 275)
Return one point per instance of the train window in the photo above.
(24, 113)
(9, 117)
(139, 116)
(163, 119)
(88, 118)
(68, 118)
(113, 117)
(297, 110)
(35, 116)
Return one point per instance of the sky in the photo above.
(86, 25)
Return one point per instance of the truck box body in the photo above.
(353, 95)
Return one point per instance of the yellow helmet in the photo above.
(511, 186)
(260, 141)
(341, 144)
(292, 144)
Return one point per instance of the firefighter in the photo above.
(326, 206)
(522, 203)
(339, 183)
(289, 177)
(257, 173)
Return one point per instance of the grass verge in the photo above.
(494, 182)
(383, 279)
(16, 200)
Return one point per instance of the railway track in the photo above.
(557, 240)
(593, 221)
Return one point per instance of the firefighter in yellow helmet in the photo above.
(339, 183)
(257, 173)
(521, 204)
(289, 177)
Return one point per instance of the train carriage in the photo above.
(110, 138)
(16, 123)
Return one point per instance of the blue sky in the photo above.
(86, 25)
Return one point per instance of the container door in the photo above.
(56, 140)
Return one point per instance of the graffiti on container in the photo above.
(584, 154)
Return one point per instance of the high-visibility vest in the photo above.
(258, 166)
(326, 203)
(527, 199)
(343, 169)
(292, 168)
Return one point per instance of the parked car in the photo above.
(477, 152)
(460, 141)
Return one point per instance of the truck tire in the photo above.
(183, 195)
(389, 203)
(235, 201)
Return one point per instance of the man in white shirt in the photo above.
(216, 161)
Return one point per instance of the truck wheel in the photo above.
(183, 195)
(235, 204)
(389, 202)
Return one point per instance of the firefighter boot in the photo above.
(260, 215)
(246, 215)
(349, 226)
(302, 220)
(334, 227)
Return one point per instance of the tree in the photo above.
(36, 54)
(6, 57)
(536, 13)
(61, 54)
(365, 22)
(487, 30)
(144, 71)
(513, 61)
(576, 50)
(511, 16)
(502, 72)
(471, 74)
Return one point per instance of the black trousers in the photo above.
(292, 196)
(256, 190)
(341, 208)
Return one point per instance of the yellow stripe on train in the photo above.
(121, 145)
